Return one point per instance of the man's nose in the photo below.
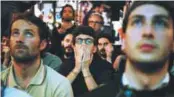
(148, 31)
(20, 38)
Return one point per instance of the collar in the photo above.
(36, 80)
(133, 85)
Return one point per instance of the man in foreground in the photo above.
(28, 40)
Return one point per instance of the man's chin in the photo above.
(148, 66)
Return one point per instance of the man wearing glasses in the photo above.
(96, 21)
(85, 71)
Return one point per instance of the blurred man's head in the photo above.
(67, 13)
(103, 40)
(67, 45)
(149, 37)
(95, 21)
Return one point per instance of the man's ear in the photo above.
(43, 45)
(62, 43)
(94, 49)
(123, 41)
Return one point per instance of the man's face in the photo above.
(25, 43)
(67, 14)
(149, 37)
(95, 22)
(84, 43)
(102, 44)
(67, 44)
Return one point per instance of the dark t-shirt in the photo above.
(116, 89)
(100, 70)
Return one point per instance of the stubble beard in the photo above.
(148, 67)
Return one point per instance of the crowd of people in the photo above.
(82, 61)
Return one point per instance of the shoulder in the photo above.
(4, 73)
(12, 92)
(60, 85)
(51, 60)
(54, 76)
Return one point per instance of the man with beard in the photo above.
(149, 39)
(67, 14)
(105, 48)
(28, 41)
(85, 72)
(67, 47)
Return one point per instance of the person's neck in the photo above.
(142, 80)
(24, 72)
(67, 23)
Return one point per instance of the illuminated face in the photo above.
(25, 43)
(149, 37)
(67, 14)
(85, 42)
(95, 22)
(67, 43)
(102, 44)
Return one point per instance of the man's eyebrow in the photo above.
(162, 16)
(28, 30)
(136, 16)
(15, 29)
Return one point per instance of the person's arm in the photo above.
(73, 74)
(89, 79)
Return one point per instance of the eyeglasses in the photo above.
(87, 41)
(94, 22)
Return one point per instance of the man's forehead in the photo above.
(84, 36)
(103, 39)
(149, 10)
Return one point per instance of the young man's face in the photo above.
(67, 44)
(102, 44)
(25, 43)
(95, 22)
(149, 34)
(85, 43)
(67, 14)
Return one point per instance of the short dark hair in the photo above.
(104, 35)
(67, 5)
(86, 30)
(28, 16)
(165, 4)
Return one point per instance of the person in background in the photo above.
(85, 72)
(66, 26)
(28, 41)
(105, 48)
(5, 52)
(67, 47)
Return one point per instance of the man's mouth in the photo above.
(147, 47)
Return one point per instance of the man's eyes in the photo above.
(160, 23)
(137, 22)
(89, 41)
(28, 34)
